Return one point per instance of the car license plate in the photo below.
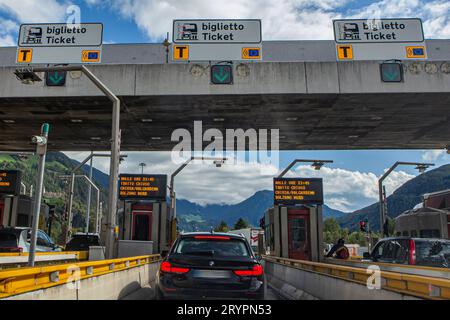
(217, 274)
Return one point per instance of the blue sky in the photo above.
(145, 21)
(140, 21)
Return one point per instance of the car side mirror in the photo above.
(366, 255)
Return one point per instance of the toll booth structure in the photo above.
(17, 211)
(16, 208)
(142, 218)
(295, 232)
(145, 221)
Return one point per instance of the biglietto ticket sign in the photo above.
(142, 187)
(297, 191)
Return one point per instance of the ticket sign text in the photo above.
(217, 31)
(378, 30)
(298, 191)
(10, 182)
(142, 187)
(61, 35)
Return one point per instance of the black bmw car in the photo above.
(210, 265)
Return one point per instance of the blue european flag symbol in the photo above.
(253, 53)
(93, 55)
(418, 52)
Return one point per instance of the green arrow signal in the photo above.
(222, 75)
(56, 78)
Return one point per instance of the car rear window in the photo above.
(83, 241)
(212, 247)
(433, 253)
(8, 239)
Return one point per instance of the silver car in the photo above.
(17, 239)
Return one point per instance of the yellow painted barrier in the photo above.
(80, 255)
(389, 265)
(20, 280)
(413, 285)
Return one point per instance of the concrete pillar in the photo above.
(284, 232)
(277, 230)
(163, 228)
(320, 232)
(155, 225)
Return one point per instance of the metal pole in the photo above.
(115, 151)
(69, 216)
(302, 160)
(88, 207)
(382, 208)
(41, 150)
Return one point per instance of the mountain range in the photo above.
(193, 216)
(404, 198)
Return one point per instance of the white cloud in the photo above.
(203, 183)
(350, 190)
(433, 155)
(282, 19)
(35, 11)
(6, 28)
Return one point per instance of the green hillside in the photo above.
(56, 189)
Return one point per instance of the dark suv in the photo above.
(82, 242)
(412, 251)
(210, 265)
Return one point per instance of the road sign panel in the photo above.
(391, 72)
(415, 52)
(142, 187)
(24, 55)
(290, 191)
(181, 52)
(344, 52)
(60, 35)
(251, 53)
(10, 182)
(60, 43)
(55, 78)
(90, 56)
(217, 31)
(217, 40)
(221, 74)
(378, 30)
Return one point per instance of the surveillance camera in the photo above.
(218, 163)
(39, 140)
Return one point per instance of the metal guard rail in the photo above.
(419, 286)
(80, 255)
(20, 280)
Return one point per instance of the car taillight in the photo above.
(255, 271)
(168, 268)
(412, 252)
(212, 237)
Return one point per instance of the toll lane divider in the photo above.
(413, 285)
(20, 280)
(79, 255)
(433, 272)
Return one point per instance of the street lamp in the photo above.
(29, 76)
(316, 164)
(382, 194)
(218, 162)
(142, 165)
